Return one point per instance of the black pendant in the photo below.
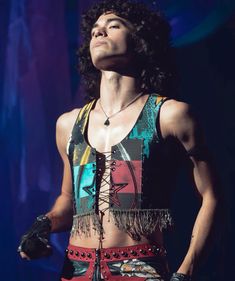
(107, 123)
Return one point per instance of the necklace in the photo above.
(107, 122)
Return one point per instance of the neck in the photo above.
(117, 90)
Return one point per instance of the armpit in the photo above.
(199, 152)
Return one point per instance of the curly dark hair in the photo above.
(152, 48)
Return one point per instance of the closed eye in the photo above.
(114, 26)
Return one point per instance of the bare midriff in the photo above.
(112, 235)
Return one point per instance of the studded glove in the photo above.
(180, 277)
(35, 243)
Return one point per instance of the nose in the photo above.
(100, 32)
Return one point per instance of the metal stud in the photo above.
(142, 251)
(133, 252)
(76, 253)
(107, 255)
(157, 250)
(83, 255)
(71, 252)
(124, 254)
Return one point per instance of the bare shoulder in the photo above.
(67, 119)
(64, 126)
(173, 109)
(175, 117)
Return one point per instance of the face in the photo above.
(110, 46)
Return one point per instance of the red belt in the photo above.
(116, 253)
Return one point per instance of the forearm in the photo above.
(201, 236)
(61, 215)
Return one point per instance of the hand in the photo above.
(180, 277)
(35, 243)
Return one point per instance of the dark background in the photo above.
(39, 81)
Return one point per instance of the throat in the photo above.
(107, 122)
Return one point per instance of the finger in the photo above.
(24, 256)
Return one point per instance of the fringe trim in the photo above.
(82, 224)
(137, 222)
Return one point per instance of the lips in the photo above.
(99, 43)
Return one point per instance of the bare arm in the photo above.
(34, 244)
(61, 214)
(179, 121)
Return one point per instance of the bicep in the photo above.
(198, 153)
(62, 138)
(188, 130)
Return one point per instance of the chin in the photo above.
(112, 64)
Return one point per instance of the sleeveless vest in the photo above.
(133, 194)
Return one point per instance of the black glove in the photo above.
(35, 242)
(180, 277)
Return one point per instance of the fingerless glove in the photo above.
(35, 242)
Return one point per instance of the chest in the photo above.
(103, 137)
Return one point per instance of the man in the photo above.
(121, 154)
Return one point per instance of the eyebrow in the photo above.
(111, 19)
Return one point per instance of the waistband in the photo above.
(115, 253)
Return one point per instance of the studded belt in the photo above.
(98, 258)
(116, 253)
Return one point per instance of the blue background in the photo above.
(39, 81)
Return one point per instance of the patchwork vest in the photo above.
(134, 194)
